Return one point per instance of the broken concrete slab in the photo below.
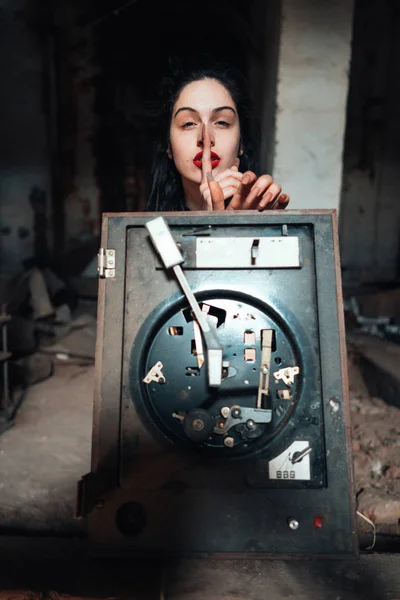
(379, 362)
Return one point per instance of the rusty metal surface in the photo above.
(112, 395)
(344, 369)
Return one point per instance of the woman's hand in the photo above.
(260, 193)
(246, 191)
(229, 181)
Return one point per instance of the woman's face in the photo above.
(204, 103)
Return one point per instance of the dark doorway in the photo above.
(134, 47)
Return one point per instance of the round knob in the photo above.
(236, 412)
(198, 425)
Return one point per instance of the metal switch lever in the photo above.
(255, 248)
(266, 348)
(165, 245)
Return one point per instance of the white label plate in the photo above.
(236, 252)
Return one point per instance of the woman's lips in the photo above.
(215, 160)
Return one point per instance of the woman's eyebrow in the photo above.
(215, 110)
(185, 108)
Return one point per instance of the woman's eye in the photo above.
(223, 123)
(188, 125)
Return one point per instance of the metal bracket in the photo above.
(287, 375)
(244, 415)
(155, 374)
(106, 263)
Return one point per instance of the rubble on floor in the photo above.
(376, 453)
(46, 325)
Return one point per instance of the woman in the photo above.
(204, 160)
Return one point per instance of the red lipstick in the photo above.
(215, 160)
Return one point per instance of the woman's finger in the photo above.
(217, 195)
(229, 191)
(258, 190)
(228, 173)
(206, 195)
(278, 203)
(229, 188)
(206, 166)
(243, 191)
(229, 181)
(283, 201)
(269, 197)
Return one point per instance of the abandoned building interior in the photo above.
(78, 82)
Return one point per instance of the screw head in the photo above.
(293, 523)
(250, 424)
(198, 425)
(334, 404)
(236, 412)
(225, 412)
(229, 442)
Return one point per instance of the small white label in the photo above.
(292, 464)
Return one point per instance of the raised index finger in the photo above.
(206, 166)
(217, 195)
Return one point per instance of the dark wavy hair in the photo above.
(166, 192)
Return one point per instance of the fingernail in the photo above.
(210, 176)
(246, 179)
(267, 198)
(255, 188)
(283, 197)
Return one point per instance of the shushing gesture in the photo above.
(233, 190)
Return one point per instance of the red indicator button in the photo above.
(318, 522)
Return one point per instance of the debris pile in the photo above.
(46, 325)
(376, 453)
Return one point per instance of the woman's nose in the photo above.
(206, 136)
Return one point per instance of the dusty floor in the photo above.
(43, 456)
(376, 454)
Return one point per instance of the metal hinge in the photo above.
(88, 495)
(106, 262)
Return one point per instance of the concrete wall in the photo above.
(81, 194)
(271, 25)
(24, 171)
(311, 103)
(370, 210)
